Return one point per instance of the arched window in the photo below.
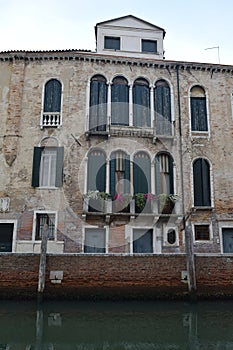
(96, 171)
(141, 103)
(141, 173)
(52, 103)
(162, 103)
(119, 173)
(201, 182)
(198, 109)
(164, 174)
(98, 103)
(120, 101)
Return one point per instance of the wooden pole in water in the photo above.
(42, 266)
(190, 260)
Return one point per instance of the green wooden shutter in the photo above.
(171, 177)
(59, 167)
(112, 176)
(52, 97)
(141, 175)
(206, 200)
(157, 175)
(197, 182)
(36, 166)
(127, 174)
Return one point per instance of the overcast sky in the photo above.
(191, 26)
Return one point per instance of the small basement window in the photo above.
(149, 46)
(112, 43)
(202, 232)
(171, 236)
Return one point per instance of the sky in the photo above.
(196, 31)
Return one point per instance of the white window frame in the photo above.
(200, 223)
(199, 134)
(14, 236)
(105, 228)
(42, 104)
(45, 155)
(48, 212)
(130, 231)
(222, 225)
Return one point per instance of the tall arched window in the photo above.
(120, 101)
(52, 103)
(98, 104)
(141, 173)
(162, 103)
(96, 171)
(198, 109)
(164, 174)
(119, 173)
(201, 182)
(141, 103)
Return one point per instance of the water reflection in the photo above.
(108, 325)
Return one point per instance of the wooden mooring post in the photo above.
(42, 266)
(190, 261)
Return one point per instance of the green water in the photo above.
(116, 325)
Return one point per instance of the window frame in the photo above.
(14, 235)
(203, 223)
(199, 133)
(146, 229)
(113, 39)
(210, 184)
(106, 231)
(36, 167)
(52, 123)
(35, 223)
(148, 41)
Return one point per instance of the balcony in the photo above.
(163, 206)
(51, 119)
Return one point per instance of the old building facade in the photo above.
(116, 150)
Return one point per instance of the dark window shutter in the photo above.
(143, 241)
(120, 102)
(141, 175)
(112, 176)
(171, 179)
(98, 104)
(198, 114)
(157, 175)
(96, 173)
(141, 104)
(59, 166)
(162, 102)
(127, 174)
(201, 179)
(52, 97)
(36, 166)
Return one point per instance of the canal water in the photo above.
(116, 325)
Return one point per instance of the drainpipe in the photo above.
(190, 261)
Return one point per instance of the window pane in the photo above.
(149, 46)
(98, 104)
(52, 96)
(201, 178)
(48, 168)
(202, 232)
(111, 43)
(42, 220)
(143, 241)
(95, 241)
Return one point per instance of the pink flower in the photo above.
(149, 196)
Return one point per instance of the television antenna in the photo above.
(215, 47)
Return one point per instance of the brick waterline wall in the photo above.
(79, 276)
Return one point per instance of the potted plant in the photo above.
(167, 203)
(96, 200)
(121, 202)
(143, 202)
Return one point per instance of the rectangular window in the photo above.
(112, 43)
(202, 232)
(41, 221)
(142, 241)
(95, 241)
(149, 46)
(47, 168)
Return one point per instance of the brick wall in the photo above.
(95, 276)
